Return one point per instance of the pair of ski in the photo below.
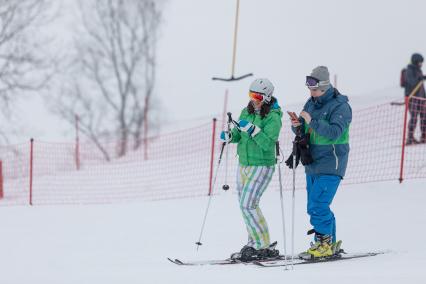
(277, 261)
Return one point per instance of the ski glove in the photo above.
(302, 143)
(248, 127)
(289, 161)
(225, 136)
(302, 151)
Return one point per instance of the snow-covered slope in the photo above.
(129, 243)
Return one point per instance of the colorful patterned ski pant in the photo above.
(252, 182)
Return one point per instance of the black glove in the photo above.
(289, 161)
(303, 146)
(303, 154)
(296, 151)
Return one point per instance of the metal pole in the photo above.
(31, 169)
(225, 107)
(1, 180)
(293, 204)
(198, 243)
(77, 143)
(234, 50)
(404, 133)
(282, 202)
(145, 133)
(225, 185)
(212, 157)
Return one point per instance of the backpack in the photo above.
(402, 79)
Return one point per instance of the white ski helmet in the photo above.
(264, 87)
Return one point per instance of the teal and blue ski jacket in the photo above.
(329, 133)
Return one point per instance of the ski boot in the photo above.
(269, 252)
(322, 248)
(336, 248)
(248, 253)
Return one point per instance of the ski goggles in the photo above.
(313, 83)
(256, 96)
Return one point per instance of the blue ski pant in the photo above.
(321, 190)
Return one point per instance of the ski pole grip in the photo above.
(277, 148)
(229, 117)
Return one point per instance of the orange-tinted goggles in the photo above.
(256, 96)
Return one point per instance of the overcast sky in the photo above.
(366, 43)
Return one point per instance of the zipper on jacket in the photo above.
(335, 156)
(247, 152)
(248, 140)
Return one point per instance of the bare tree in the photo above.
(25, 67)
(113, 71)
(20, 58)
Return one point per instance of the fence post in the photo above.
(77, 143)
(145, 129)
(212, 156)
(31, 169)
(404, 133)
(1, 180)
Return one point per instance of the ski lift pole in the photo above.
(234, 48)
(234, 52)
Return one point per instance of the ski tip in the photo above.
(377, 253)
(175, 261)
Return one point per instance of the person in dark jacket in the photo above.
(417, 100)
(326, 117)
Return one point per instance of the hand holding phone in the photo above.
(293, 115)
(294, 118)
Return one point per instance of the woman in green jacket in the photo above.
(256, 135)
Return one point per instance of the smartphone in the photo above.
(293, 116)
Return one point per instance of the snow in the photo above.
(129, 243)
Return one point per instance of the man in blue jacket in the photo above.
(326, 117)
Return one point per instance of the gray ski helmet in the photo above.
(263, 86)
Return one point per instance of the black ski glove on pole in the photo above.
(289, 161)
(301, 148)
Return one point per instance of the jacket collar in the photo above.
(321, 100)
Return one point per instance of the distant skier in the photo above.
(325, 117)
(416, 104)
(259, 128)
